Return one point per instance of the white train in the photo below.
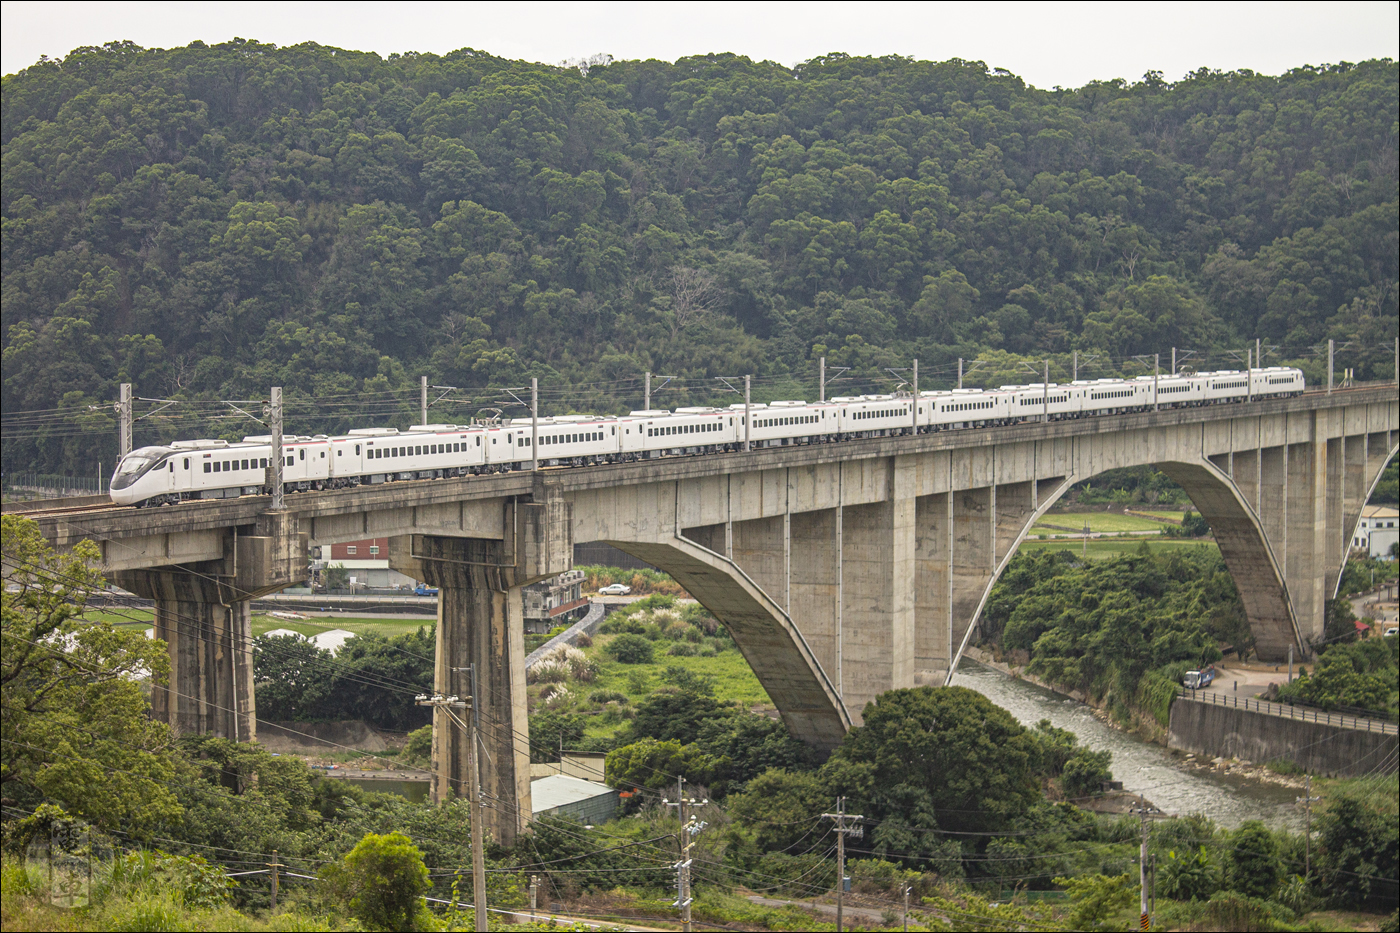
(216, 469)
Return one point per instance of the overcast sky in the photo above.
(1047, 44)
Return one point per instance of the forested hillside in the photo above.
(209, 221)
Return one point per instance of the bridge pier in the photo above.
(208, 632)
(480, 624)
(201, 613)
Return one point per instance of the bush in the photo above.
(682, 649)
(1085, 772)
(419, 746)
(629, 649)
(381, 882)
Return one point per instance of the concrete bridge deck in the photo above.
(842, 570)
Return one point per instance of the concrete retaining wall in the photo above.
(1228, 732)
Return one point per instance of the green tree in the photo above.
(382, 882)
(1252, 866)
(77, 729)
(1096, 900)
(967, 758)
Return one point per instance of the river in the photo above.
(1143, 767)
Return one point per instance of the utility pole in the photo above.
(748, 414)
(840, 818)
(821, 380)
(274, 865)
(1074, 373)
(646, 394)
(534, 895)
(1331, 352)
(1307, 801)
(904, 918)
(685, 840)
(1143, 812)
(124, 419)
(1084, 552)
(534, 423)
(1248, 376)
(445, 705)
(914, 408)
(1173, 361)
(1258, 353)
(1157, 374)
(423, 398)
(276, 461)
(959, 372)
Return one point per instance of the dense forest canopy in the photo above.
(209, 221)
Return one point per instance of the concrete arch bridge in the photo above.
(842, 570)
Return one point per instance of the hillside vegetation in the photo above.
(209, 221)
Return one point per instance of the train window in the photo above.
(323, 455)
(245, 464)
(172, 466)
(187, 463)
(302, 453)
(262, 463)
(291, 461)
(218, 467)
(613, 430)
(207, 468)
(357, 450)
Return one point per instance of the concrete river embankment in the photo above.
(1144, 768)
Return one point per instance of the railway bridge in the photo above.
(842, 570)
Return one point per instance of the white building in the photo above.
(1378, 530)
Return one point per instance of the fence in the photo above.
(1299, 713)
(54, 486)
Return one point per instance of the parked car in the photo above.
(423, 589)
(616, 589)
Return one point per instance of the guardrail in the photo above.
(1287, 711)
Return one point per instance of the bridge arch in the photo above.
(772, 644)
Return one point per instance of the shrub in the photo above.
(380, 883)
(419, 746)
(682, 649)
(584, 640)
(608, 696)
(630, 649)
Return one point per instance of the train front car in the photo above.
(142, 475)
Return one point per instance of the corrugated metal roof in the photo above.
(559, 790)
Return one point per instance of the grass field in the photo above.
(264, 623)
(1110, 522)
(1177, 515)
(1112, 547)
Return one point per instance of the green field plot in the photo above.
(264, 623)
(1112, 547)
(1108, 522)
(309, 627)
